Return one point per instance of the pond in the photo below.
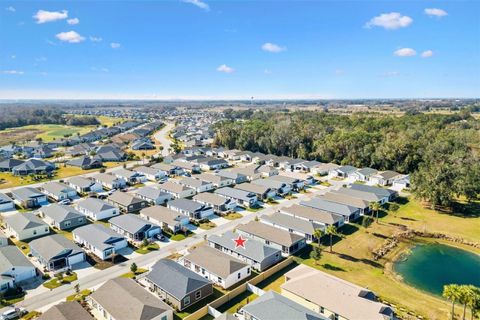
(431, 266)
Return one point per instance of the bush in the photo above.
(46, 276)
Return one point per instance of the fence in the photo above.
(238, 290)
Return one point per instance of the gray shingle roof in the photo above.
(26, 193)
(151, 192)
(235, 193)
(379, 191)
(66, 311)
(312, 214)
(57, 188)
(186, 205)
(53, 245)
(211, 198)
(163, 214)
(130, 222)
(216, 262)
(11, 256)
(4, 198)
(175, 279)
(270, 233)
(273, 306)
(124, 299)
(60, 212)
(81, 182)
(94, 205)
(290, 222)
(124, 199)
(325, 205)
(254, 249)
(98, 235)
(23, 221)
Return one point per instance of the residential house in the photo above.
(150, 173)
(127, 202)
(176, 190)
(366, 196)
(256, 253)
(110, 153)
(24, 226)
(324, 169)
(216, 266)
(296, 184)
(262, 192)
(177, 285)
(216, 180)
(280, 188)
(62, 217)
(235, 176)
(84, 185)
(241, 197)
(15, 268)
(186, 166)
(385, 178)
(402, 182)
(288, 242)
(290, 164)
(66, 311)
(272, 305)
(363, 175)
(306, 166)
(195, 210)
(197, 184)
(291, 224)
(169, 169)
(96, 209)
(316, 216)
(100, 240)
(219, 204)
(267, 171)
(381, 192)
(33, 166)
(3, 239)
(165, 218)
(343, 171)
(333, 297)
(212, 164)
(7, 165)
(110, 181)
(142, 144)
(6, 203)
(131, 177)
(86, 163)
(56, 253)
(153, 195)
(81, 149)
(348, 212)
(58, 191)
(28, 197)
(133, 227)
(124, 299)
(339, 196)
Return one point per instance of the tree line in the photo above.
(440, 151)
(18, 116)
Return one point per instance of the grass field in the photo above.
(47, 132)
(352, 256)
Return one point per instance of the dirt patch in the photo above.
(97, 263)
(18, 135)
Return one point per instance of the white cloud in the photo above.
(272, 47)
(13, 56)
(427, 54)
(70, 37)
(73, 21)
(115, 45)
(405, 52)
(11, 9)
(226, 69)
(14, 72)
(198, 3)
(95, 39)
(390, 21)
(43, 16)
(434, 12)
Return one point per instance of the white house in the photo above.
(14, 267)
(96, 209)
(216, 266)
(100, 240)
(151, 173)
(6, 203)
(59, 191)
(177, 190)
(197, 184)
(26, 226)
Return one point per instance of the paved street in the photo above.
(99, 277)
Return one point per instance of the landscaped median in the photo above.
(60, 279)
(132, 275)
(79, 296)
(147, 247)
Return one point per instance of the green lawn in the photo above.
(207, 225)
(31, 315)
(147, 249)
(55, 283)
(256, 209)
(188, 311)
(238, 302)
(232, 216)
(80, 296)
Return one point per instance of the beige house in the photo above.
(333, 297)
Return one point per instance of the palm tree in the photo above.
(473, 300)
(331, 231)
(464, 295)
(318, 233)
(316, 254)
(451, 292)
(375, 207)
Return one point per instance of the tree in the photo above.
(374, 207)
(331, 231)
(473, 301)
(144, 242)
(451, 293)
(316, 254)
(318, 233)
(133, 268)
(394, 207)
(76, 288)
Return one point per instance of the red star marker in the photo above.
(239, 242)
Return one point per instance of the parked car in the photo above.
(160, 237)
(14, 313)
(65, 202)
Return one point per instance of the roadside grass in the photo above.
(232, 216)
(207, 225)
(352, 257)
(325, 183)
(256, 209)
(55, 282)
(9, 301)
(80, 296)
(146, 249)
(132, 275)
(31, 315)
(238, 302)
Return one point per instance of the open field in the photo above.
(352, 256)
(47, 132)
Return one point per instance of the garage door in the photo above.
(79, 257)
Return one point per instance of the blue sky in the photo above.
(197, 49)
